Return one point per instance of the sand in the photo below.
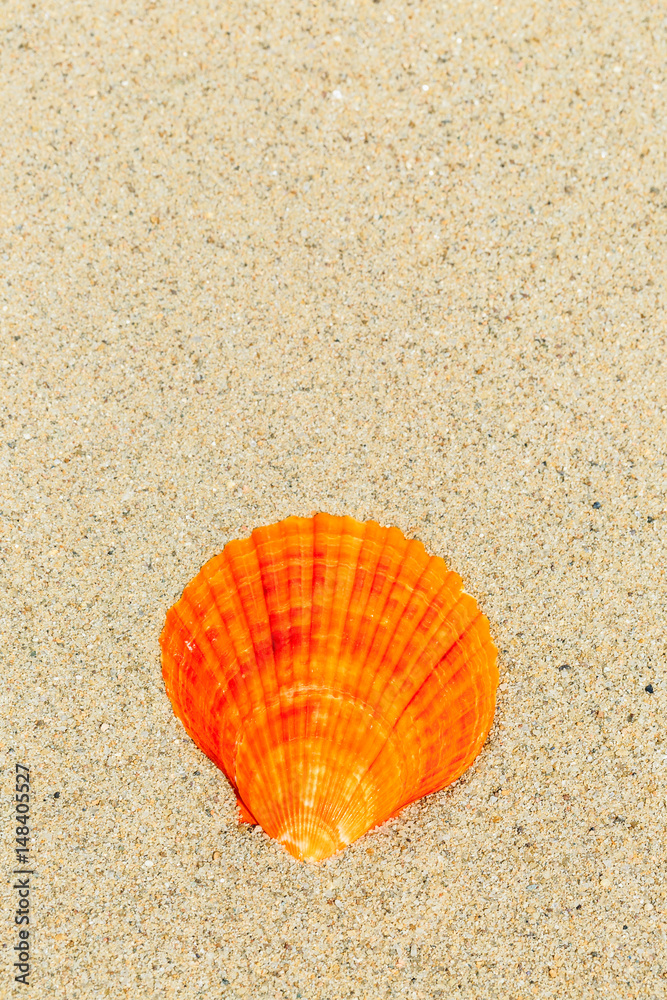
(401, 261)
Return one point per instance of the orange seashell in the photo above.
(334, 671)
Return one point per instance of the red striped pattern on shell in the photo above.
(334, 671)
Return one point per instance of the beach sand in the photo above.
(405, 262)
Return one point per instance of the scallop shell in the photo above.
(334, 671)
